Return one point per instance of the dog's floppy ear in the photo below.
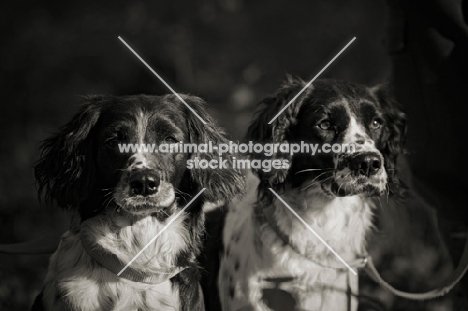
(221, 184)
(393, 135)
(63, 172)
(260, 131)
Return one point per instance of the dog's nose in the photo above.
(143, 183)
(366, 164)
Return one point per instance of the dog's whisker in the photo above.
(318, 176)
(108, 194)
(183, 194)
(338, 191)
(107, 202)
(325, 179)
(314, 169)
(346, 183)
(309, 170)
(315, 183)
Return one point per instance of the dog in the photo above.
(121, 200)
(270, 260)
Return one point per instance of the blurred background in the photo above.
(232, 53)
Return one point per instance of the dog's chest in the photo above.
(259, 270)
(75, 281)
(87, 294)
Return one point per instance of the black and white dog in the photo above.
(270, 261)
(123, 200)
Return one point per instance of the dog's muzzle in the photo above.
(360, 174)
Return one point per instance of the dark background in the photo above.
(232, 53)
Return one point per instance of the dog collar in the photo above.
(112, 263)
(268, 218)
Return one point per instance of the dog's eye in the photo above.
(114, 139)
(325, 125)
(112, 142)
(170, 139)
(376, 123)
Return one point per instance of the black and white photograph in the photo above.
(234, 155)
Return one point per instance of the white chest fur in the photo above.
(254, 252)
(75, 281)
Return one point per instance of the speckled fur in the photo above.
(278, 264)
(255, 252)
